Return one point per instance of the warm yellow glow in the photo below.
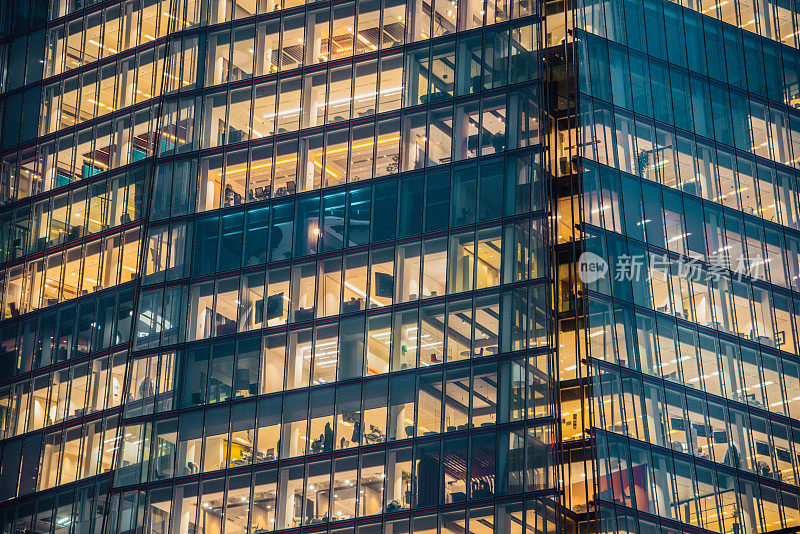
(318, 164)
(366, 41)
(718, 4)
(267, 164)
(94, 161)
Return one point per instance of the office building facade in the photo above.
(688, 142)
(399, 266)
(275, 267)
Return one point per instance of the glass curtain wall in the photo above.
(276, 266)
(688, 191)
